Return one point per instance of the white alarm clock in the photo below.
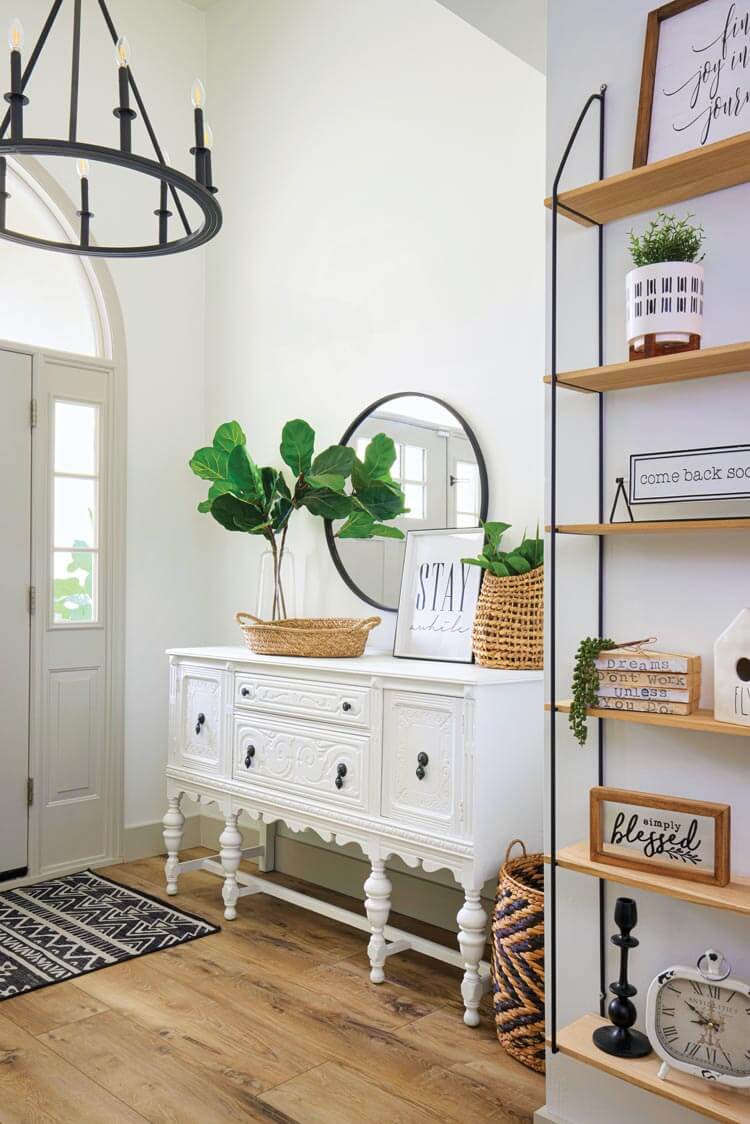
(698, 1020)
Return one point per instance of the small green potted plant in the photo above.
(664, 293)
(335, 484)
(509, 620)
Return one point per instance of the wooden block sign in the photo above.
(720, 473)
(665, 834)
(628, 659)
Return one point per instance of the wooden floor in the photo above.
(273, 1019)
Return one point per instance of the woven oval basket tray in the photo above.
(328, 637)
(518, 958)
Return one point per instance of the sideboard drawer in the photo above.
(306, 699)
(422, 776)
(197, 718)
(319, 763)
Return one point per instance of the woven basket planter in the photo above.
(509, 621)
(518, 958)
(329, 637)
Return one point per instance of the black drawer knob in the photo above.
(422, 761)
(346, 707)
(340, 774)
(249, 756)
(199, 723)
(245, 691)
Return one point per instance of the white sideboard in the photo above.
(439, 764)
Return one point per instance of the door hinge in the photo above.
(34, 412)
(32, 600)
(30, 791)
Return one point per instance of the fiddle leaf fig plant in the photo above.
(527, 556)
(334, 484)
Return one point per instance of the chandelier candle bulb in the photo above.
(125, 114)
(199, 150)
(85, 215)
(16, 98)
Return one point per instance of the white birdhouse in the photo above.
(732, 672)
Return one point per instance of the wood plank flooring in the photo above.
(274, 1019)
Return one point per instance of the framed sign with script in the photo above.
(695, 82)
(664, 834)
(438, 595)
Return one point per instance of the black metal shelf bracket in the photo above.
(557, 208)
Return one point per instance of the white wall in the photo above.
(682, 591)
(163, 309)
(379, 166)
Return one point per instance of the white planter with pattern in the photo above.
(665, 300)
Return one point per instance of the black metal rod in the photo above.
(15, 97)
(3, 190)
(552, 909)
(146, 119)
(600, 552)
(75, 69)
(33, 58)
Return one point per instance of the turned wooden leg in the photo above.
(377, 906)
(472, 926)
(173, 822)
(230, 854)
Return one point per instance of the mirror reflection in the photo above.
(442, 477)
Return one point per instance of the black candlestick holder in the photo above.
(619, 1039)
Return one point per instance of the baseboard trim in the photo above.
(141, 841)
(544, 1116)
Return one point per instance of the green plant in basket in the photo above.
(334, 484)
(527, 556)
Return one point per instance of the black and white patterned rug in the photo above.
(57, 930)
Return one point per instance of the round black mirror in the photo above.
(442, 473)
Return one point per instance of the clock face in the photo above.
(704, 1025)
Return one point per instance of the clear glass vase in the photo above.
(276, 603)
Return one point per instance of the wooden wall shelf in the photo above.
(655, 527)
(707, 363)
(727, 1105)
(735, 897)
(701, 720)
(701, 171)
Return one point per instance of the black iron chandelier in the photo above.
(172, 183)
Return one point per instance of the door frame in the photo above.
(114, 544)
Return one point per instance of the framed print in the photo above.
(695, 81)
(438, 595)
(665, 834)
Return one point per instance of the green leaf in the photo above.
(229, 435)
(337, 460)
(204, 506)
(382, 501)
(380, 456)
(280, 513)
(359, 525)
(282, 487)
(360, 478)
(297, 444)
(495, 532)
(499, 570)
(238, 515)
(326, 480)
(483, 562)
(210, 463)
(517, 564)
(326, 503)
(533, 551)
(383, 531)
(244, 474)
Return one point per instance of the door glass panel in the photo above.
(75, 438)
(74, 591)
(75, 554)
(414, 494)
(75, 503)
(468, 494)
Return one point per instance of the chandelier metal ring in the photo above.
(200, 195)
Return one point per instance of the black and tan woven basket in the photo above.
(518, 958)
(509, 621)
(329, 637)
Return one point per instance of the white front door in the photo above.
(15, 583)
(73, 781)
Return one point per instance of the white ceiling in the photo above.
(204, 5)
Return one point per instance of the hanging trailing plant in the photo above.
(586, 683)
